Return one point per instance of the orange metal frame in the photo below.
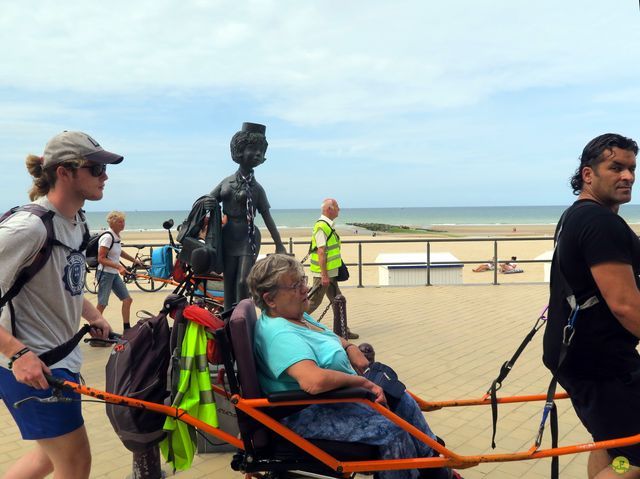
(447, 458)
(173, 282)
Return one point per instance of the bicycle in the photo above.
(92, 275)
(194, 284)
(141, 275)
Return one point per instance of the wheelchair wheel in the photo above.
(143, 279)
(91, 279)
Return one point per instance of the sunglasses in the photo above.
(96, 169)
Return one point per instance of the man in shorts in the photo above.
(110, 268)
(47, 310)
(596, 266)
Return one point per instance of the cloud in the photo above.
(446, 94)
(310, 62)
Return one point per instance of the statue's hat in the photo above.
(254, 128)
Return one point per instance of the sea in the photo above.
(422, 217)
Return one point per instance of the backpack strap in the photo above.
(113, 240)
(86, 235)
(42, 256)
(310, 249)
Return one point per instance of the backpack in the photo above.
(93, 246)
(190, 228)
(137, 368)
(28, 272)
(161, 262)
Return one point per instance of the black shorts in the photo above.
(609, 409)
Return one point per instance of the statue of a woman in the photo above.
(241, 196)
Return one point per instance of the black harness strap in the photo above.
(62, 351)
(506, 369)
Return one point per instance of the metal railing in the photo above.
(424, 241)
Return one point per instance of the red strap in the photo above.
(202, 316)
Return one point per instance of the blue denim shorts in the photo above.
(41, 420)
(111, 282)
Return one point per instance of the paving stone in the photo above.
(446, 342)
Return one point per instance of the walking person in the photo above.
(47, 310)
(325, 258)
(110, 268)
(594, 280)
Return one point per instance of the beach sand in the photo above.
(444, 342)
(467, 243)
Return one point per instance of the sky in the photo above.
(375, 103)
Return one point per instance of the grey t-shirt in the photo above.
(48, 308)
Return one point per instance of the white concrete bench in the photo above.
(406, 274)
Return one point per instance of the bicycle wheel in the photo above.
(91, 280)
(144, 280)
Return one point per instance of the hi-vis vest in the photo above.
(332, 249)
(194, 395)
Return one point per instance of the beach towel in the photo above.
(513, 271)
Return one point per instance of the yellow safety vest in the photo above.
(332, 249)
(194, 395)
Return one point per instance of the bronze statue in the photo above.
(241, 196)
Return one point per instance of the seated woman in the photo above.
(510, 266)
(295, 352)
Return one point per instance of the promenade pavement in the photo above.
(445, 342)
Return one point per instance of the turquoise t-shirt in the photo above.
(279, 344)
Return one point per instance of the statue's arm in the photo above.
(275, 234)
(217, 191)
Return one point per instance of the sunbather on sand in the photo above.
(510, 266)
(488, 266)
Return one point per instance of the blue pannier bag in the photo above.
(161, 262)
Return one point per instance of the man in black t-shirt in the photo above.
(597, 265)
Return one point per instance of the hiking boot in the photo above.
(352, 335)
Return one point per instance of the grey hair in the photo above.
(266, 274)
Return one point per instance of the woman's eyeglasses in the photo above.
(96, 169)
(299, 285)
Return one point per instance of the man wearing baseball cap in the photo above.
(47, 310)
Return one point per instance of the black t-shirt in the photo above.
(601, 347)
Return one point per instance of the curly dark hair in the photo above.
(592, 155)
(242, 139)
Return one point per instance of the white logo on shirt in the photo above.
(73, 276)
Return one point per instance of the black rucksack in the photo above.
(93, 247)
(137, 368)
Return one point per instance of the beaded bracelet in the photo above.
(17, 356)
